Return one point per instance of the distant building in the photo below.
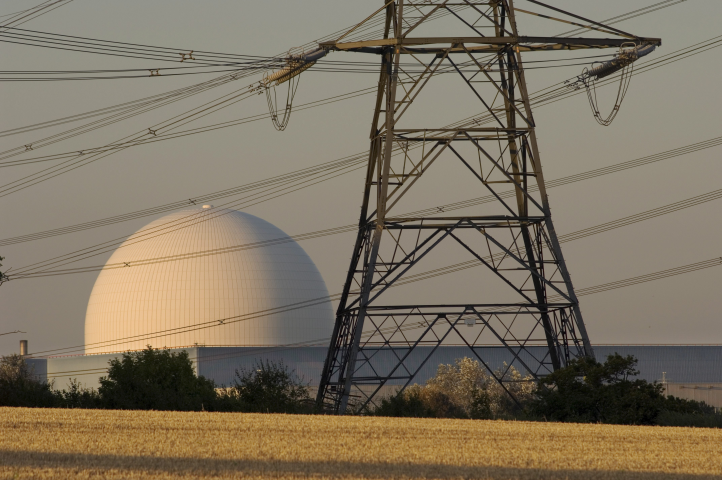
(232, 289)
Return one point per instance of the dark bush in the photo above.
(417, 401)
(679, 419)
(680, 412)
(269, 388)
(682, 405)
(155, 380)
(78, 397)
(589, 391)
(404, 404)
(20, 388)
(481, 405)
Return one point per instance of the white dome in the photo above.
(172, 282)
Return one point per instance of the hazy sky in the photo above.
(672, 106)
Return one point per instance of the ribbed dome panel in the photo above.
(173, 281)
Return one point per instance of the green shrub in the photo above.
(669, 418)
(403, 404)
(155, 380)
(78, 397)
(685, 406)
(20, 388)
(589, 391)
(268, 388)
(680, 412)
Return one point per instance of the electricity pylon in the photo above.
(515, 291)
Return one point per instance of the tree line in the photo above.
(585, 391)
(154, 379)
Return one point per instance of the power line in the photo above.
(73, 163)
(180, 93)
(624, 283)
(47, 174)
(689, 268)
(353, 162)
(183, 222)
(10, 333)
(123, 49)
(567, 89)
(549, 97)
(160, 136)
(671, 272)
(151, 52)
(629, 15)
(22, 17)
(29, 272)
(267, 57)
(71, 262)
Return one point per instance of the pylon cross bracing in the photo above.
(521, 297)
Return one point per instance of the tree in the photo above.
(407, 404)
(270, 388)
(77, 396)
(462, 390)
(19, 387)
(589, 391)
(477, 393)
(155, 380)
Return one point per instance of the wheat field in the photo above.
(47, 443)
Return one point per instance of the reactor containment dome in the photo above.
(207, 276)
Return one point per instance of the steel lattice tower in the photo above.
(518, 293)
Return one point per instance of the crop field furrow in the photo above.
(49, 443)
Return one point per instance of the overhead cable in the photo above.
(671, 272)
(42, 270)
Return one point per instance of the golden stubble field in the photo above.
(44, 443)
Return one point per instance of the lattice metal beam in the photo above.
(383, 334)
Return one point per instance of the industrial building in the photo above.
(232, 289)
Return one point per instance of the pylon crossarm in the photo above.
(524, 43)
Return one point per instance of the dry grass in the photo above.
(37, 443)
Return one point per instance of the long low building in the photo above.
(689, 371)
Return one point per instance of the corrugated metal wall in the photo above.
(221, 363)
(709, 393)
(691, 364)
(683, 364)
